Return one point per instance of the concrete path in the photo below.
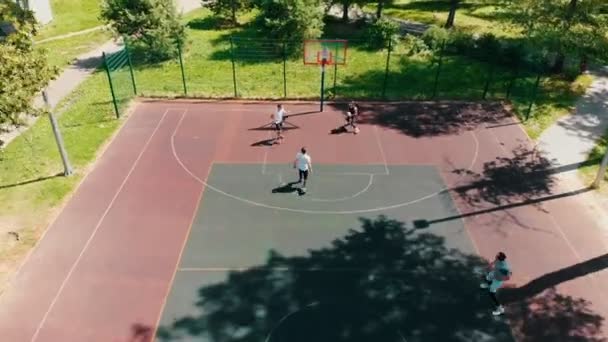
(570, 140)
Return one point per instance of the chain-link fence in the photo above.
(121, 78)
(254, 68)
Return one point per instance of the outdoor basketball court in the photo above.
(189, 229)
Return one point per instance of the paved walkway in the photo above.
(83, 67)
(569, 140)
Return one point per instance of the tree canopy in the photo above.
(564, 27)
(24, 71)
(291, 19)
(153, 23)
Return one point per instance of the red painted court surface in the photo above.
(105, 267)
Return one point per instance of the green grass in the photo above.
(589, 171)
(32, 160)
(556, 99)
(71, 16)
(471, 16)
(62, 52)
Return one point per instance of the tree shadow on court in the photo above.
(418, 119)
(381, 282)
(524, 176)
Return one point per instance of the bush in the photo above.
(227, 10)
(487, 47)
(435, 37)
(415, 46)
(381, 32)
(293, 20)
(461, 43)
(151, 24)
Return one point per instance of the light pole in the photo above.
(67, 168)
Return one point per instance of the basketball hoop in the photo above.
(324, 52)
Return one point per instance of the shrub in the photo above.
(153, 24)
(227, 10)
(461, 42)
(435, 37)
(415, 46)
(381, 32)
(487, 47)
(293, 20)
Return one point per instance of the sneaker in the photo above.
(484, 285)
(356, 130)
(303, 190)
(499, 311)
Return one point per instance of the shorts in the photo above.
(303, 174)
(278, 126)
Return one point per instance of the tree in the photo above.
(153, 23)
(346, 4)
(452, 14)
(24, 70)
(562, 26)
(228, 9)
(380, 8)
(295, 20)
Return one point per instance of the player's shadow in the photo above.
(382, 281)
(288, 188)
(340, 130)
(265, 142)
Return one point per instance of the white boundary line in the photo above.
(95, 230)
(309, 306)
(56, 213)
(561, 232)
(304, 211)
(184, 243)
(283, 269)
(264, 161)
(381, 150)
(346, 198)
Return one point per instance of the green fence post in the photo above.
(322, 84)
(233, 67)
(534, 93)
(181, 65)
(488, 81)
(388, 60)
(107, 67)
(284, 70)
(128, 52)
(438, 70)
(512, 83)
(335, 77)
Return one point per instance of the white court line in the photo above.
(345, 198)
(313, 304)
(99, 222)
(309, 306)
(562, 234)
(381, 150)
(304, 211)
(264, 162)
(281, 269)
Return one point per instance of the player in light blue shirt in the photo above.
(498, 273)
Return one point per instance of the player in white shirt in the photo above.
(304, 166)
(277, 119)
